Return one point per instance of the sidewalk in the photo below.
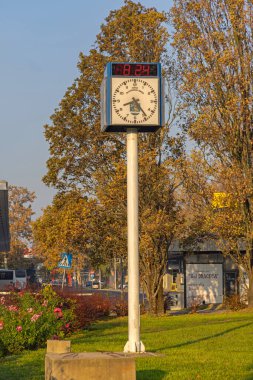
(211, 308)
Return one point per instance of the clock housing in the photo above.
(132, 97)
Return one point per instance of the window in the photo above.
(20, 273)
(174, 275)
(6, 275)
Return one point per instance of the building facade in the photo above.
(200, 276)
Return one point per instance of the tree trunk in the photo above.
(156, 301)
(250, 292)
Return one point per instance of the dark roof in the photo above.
(207, 245)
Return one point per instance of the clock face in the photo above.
(135, 101)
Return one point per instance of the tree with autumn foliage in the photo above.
(213, 42)
(77, 147)
(211, 210)
(66, 226)
(160, 218)
(83, 158)
(20, 220)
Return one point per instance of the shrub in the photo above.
(119, 307)
(234, 302)
(87, 308)
(28, 319)
(195, 304)
(91, 308)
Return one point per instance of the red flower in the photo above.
(35, 317)
(1, 325)
(13, 308)
(58, 312)
(19, 328)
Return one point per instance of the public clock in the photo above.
(132, 97)
(135, 101)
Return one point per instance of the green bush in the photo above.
(28, 319)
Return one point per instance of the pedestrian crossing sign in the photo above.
(66, 261)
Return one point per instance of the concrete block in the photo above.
(89, 366)
(58, 346)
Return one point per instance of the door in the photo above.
(230, 283)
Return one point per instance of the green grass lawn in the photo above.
(197, 346)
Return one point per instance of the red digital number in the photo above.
(138, 70)
(118, 70)
(146, 70)
(127, 70)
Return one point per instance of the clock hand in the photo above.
(126, 104)
(136, 101)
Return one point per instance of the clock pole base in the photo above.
(134, 347)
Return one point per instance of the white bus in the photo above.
(10, 278)
(21, 279)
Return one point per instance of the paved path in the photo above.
(212, 308)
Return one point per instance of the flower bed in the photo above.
(28, 319)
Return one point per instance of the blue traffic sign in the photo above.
(66, 261)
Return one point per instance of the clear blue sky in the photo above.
(40, 42)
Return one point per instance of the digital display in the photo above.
(134, 69)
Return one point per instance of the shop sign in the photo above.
(204, 283)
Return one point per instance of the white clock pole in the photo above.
(132, 101)
(134, 343)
